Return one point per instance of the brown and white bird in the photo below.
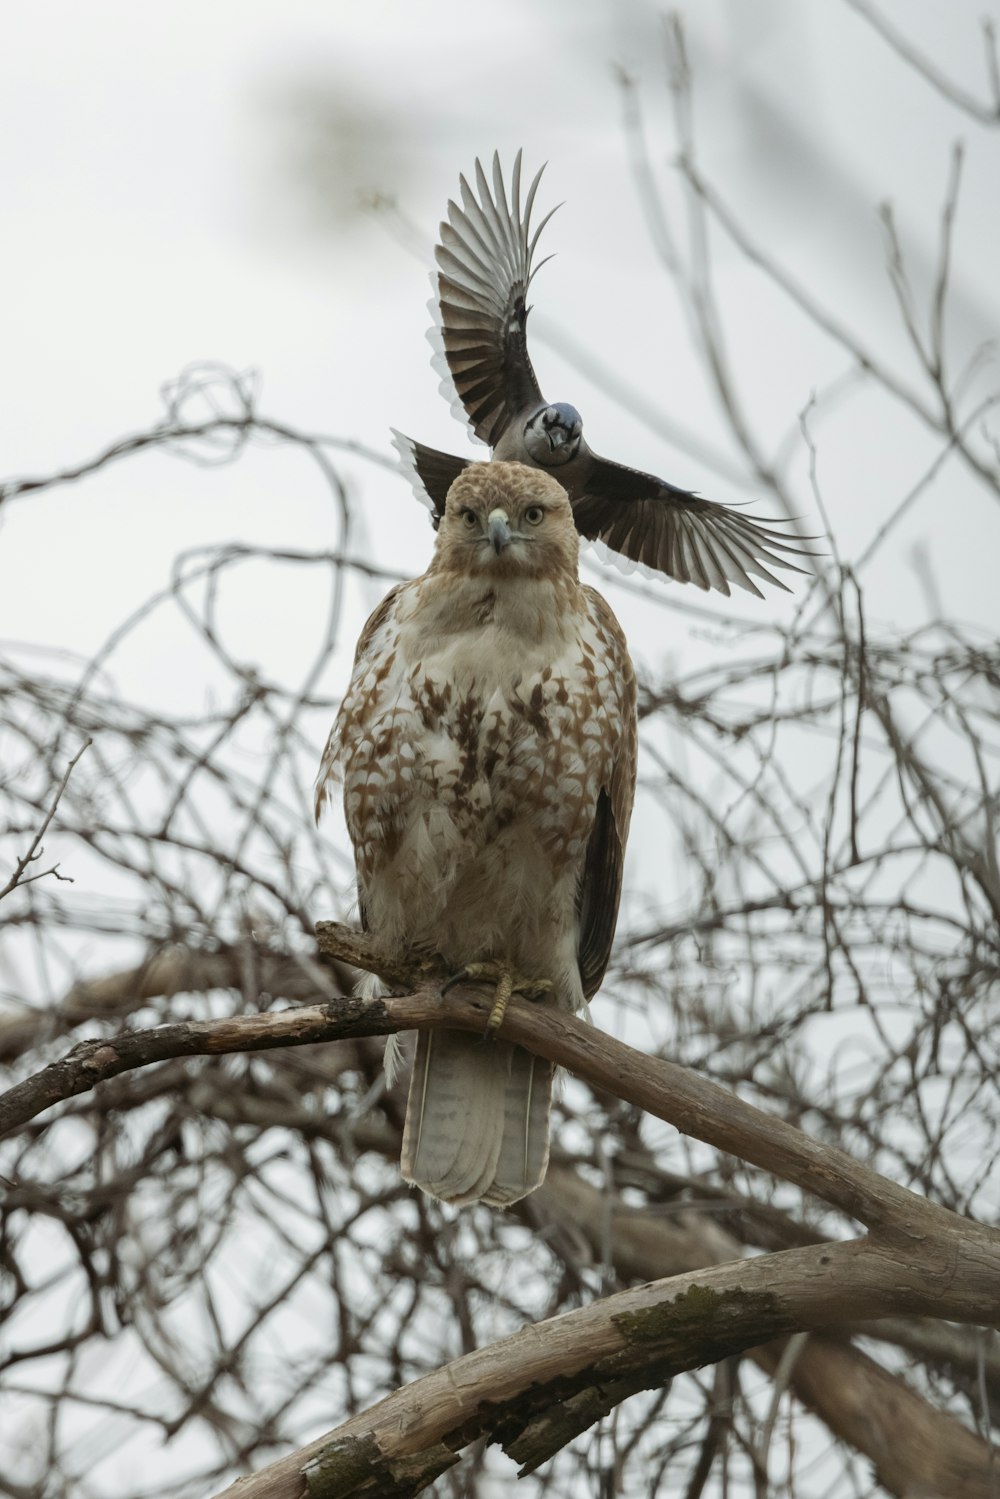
(487, 751)
(485, 266)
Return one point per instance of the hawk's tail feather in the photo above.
(477, 1119)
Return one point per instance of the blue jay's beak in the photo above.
(498, 530)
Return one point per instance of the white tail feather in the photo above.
(477, 1119)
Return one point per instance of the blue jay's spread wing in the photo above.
(430, 472)
(484, 269)
(678, 533)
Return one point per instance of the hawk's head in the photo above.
(507, 520)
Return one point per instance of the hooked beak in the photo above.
(498, 530)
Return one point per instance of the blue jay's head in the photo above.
(552, 434)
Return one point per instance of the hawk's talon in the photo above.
(507, 983)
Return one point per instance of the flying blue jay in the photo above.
(485, 266)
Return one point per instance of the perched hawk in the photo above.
(484, 261)
(487, 749)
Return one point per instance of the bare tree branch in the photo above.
(691, 1103)
(17, 878)
(986, 113)
(536, 1390)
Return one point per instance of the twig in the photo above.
(987, 114)
(22, 864)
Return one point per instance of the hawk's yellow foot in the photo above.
(507, 982)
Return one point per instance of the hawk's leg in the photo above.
(507, 982)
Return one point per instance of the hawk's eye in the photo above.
(468, 517)
(534, 515)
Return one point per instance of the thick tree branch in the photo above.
(914, 1448)
(573, 1216)
(912, 1445)
(177, 968)
(534, 1391)
(94, 1061)
(691, 1103)
(924, 1260)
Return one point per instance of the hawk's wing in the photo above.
(484, 269)
(678, 533)
(350, 718)
(601, 885)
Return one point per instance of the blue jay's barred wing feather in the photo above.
(431, 474)
(678, 533)
(439, 364)
(485, 267)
